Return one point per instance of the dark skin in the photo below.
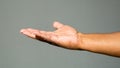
(68, 37)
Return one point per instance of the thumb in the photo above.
(57, 25)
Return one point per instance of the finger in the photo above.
(57, 25)
(42, 35)
(27, 33)
(33, 30)
(38, 32)
(46, 36)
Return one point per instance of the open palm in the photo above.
(64, 35)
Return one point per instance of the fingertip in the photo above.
(22, 30)
(27, 33)
(57, 24)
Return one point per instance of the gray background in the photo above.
(87, 16)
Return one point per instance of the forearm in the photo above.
(101, 43)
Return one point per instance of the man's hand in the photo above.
(64, 36)
(67, 37)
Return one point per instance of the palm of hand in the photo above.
(64, 36)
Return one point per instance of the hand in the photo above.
(64, 36)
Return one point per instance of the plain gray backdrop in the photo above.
(87, 16)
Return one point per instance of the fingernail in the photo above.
(22, 30)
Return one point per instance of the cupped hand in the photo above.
(64, 36)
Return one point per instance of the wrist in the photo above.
(80, 41)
